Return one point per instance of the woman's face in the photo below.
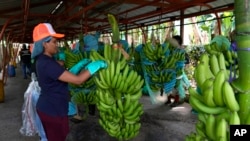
(50, 47)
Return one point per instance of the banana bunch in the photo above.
(154, 54)
(80, 97)
(159, 78)
(216, 102)
(218, 44)
(230, 55)
(120, 118)
(125, 131)
(119, 89)
(212, 128)
(221, 44)
(217, 95)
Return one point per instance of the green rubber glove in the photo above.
(79, 66)
(93, 67)
(61, 56)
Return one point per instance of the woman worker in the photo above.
(53, 78)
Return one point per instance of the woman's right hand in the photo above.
(93, 67)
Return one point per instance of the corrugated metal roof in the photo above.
(75, 16)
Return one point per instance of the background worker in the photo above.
(53, 78)
(25, 56)
(178, 94)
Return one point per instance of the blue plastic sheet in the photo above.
(124, 44)
(180, 64)
(168, 87)
(139, 48)
(90, 43)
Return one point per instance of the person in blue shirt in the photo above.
(53, 78)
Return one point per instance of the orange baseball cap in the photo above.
(43, 30)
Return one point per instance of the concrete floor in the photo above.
(11, 117)
(159, 122)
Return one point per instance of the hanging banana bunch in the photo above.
(163, 64)
(215, 100)
(119, 89)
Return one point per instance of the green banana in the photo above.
(193, 93)
(201, 107)
(234, 118)
(108, 75)
(221, 130)
(207, 84)
(100, 83)
(131, 108)
(102, 78)
(208, 97)
(210, 126)
(120, 105)
(221, 61)
(107, 52)
(229, 56)
(222, 64)
(214, 64)
(199, 74)
(136, 96)
(199, 128)
(112, 69)
(229, 97)
(202, 117)
(119, 80)
(114, 81)
(218, 82)
(127, 101)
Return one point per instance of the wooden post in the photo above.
(1, 91)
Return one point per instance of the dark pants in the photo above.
(56, 128)
(26, 66)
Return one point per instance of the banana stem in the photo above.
(116, 53)
(243, 41)
(243, 99)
